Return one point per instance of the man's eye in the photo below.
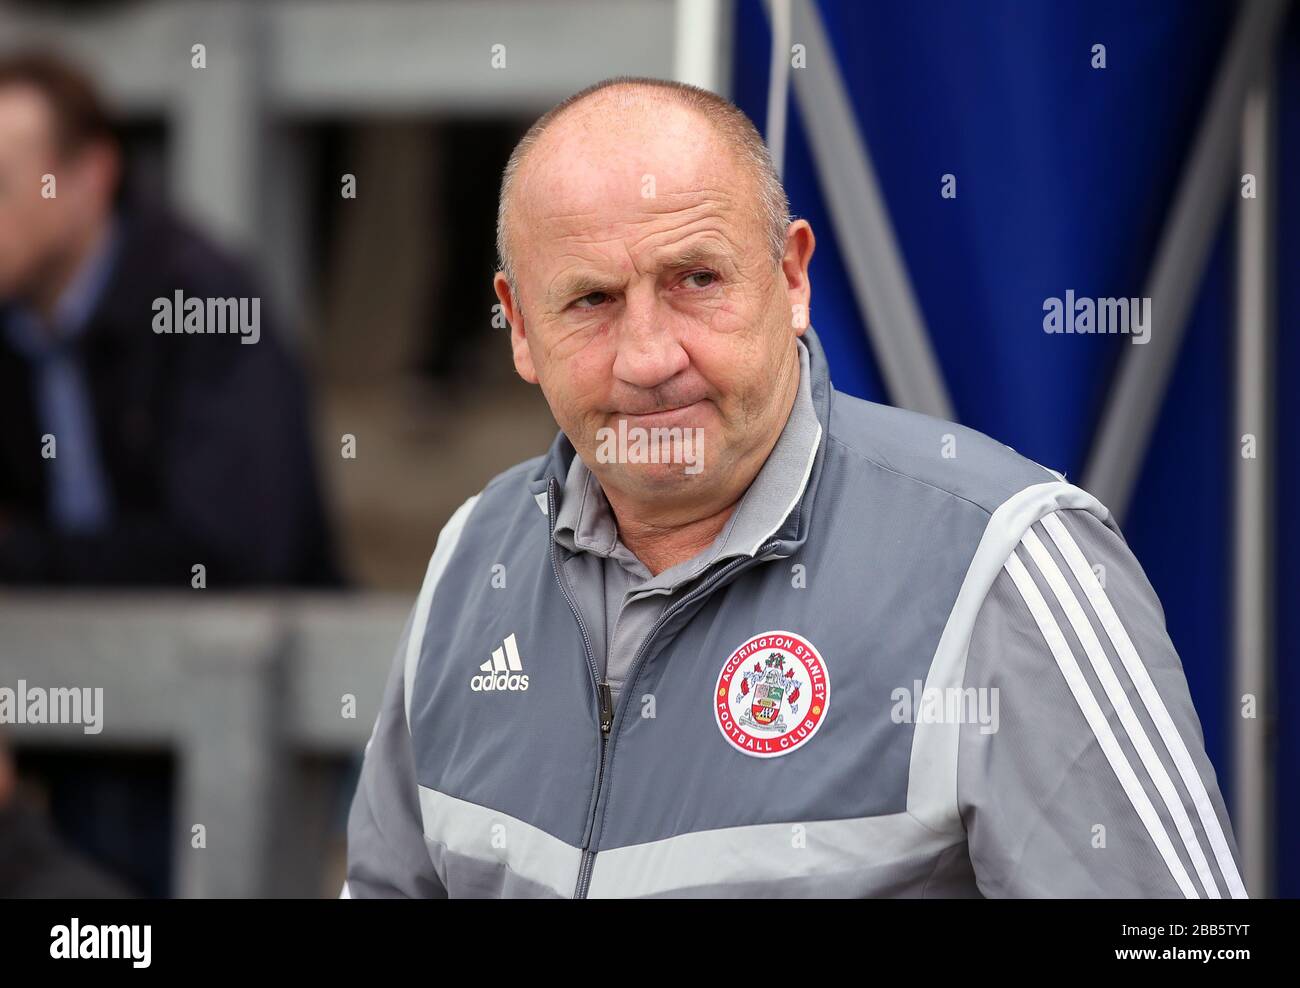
(701, 274)
(597, 296)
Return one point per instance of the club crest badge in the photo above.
(772, 694)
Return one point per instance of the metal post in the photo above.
(1143, 378)
(1254, 478)
(778, 88)
(217, 118)
(231, 758)
(872, 257)
(701, 42)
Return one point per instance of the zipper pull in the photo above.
(606, 708)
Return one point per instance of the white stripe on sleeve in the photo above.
(1092, 713)
(1151, 698)
(1119, 700)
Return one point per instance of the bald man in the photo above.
(740, 634)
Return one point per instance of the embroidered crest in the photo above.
(772, 694)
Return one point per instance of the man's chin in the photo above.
(661, 480)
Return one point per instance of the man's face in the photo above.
(35, 231)
(649, 296)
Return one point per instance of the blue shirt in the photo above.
(79, 498)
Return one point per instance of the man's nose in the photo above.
(648, 353)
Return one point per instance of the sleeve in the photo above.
(387, 857)
(1086, 773)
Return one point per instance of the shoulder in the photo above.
(514, 479)
(160, 247)
(502, 503)
(916, 450)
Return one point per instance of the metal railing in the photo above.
(235, 687)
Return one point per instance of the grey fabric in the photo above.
(517, 792)
(892, 855)
(1045, 813)
(487, 854)
(530, 754)
(387, 856)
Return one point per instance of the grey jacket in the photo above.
(943, 674)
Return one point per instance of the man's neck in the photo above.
(662, 546)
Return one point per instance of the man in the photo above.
(846, 651)
(128, 455)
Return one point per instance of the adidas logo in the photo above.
(502, 671)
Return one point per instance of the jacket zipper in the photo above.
(588, 852)
(603, 696)
(608, 719)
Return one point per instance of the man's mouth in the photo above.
(664, 417)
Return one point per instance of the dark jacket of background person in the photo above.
(203, 440)
(35, 864)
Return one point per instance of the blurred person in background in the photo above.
(168, 450)
(34, 863)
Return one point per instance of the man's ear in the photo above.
(799, 246)
(518, 337)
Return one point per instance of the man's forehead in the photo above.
(627, 197)
(648, 157)
(25, 116)
(612, 210)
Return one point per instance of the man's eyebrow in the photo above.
(578, 285)
(585, 282)
(701, 253)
